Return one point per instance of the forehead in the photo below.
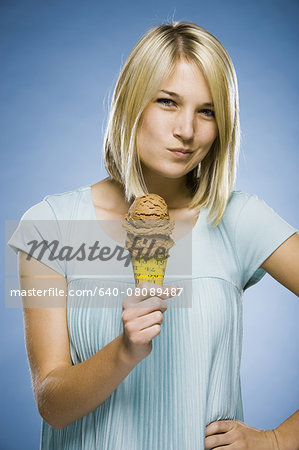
(187, 80)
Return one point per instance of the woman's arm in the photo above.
(65, 392)
(287, 434)
(283, 264)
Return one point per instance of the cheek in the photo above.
(208, 133)
(154, 123)
(152, 128)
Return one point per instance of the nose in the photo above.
(184, 125)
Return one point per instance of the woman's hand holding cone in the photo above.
(142, 318)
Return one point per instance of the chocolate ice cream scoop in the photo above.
(148, 218)
(148, 207)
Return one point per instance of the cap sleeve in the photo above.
(259, 231)
(37, 229)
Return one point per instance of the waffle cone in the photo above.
(151, 270)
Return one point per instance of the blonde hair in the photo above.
(150, 63)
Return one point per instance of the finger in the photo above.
(148, 306)
(148, 290)
(149, 333)
(152, 303)
(220, 426)
(148, 320)
(168, 292)
(217, 440)
(225, 447)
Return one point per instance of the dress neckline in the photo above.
(95, 217)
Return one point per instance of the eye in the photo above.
(166, 102)
(207, 112)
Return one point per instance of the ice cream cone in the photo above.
(148, 227)
(149, 270)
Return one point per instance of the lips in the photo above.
(180, 150)
(181, 153)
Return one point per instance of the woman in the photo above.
(104, 378)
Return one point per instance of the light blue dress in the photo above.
(192, 376)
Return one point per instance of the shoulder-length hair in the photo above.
(150, 63)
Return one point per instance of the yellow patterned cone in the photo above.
(151, 270)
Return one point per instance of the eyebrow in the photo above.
(173, 94)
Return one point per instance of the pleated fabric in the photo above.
(190, 379)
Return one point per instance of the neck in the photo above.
(174, 191)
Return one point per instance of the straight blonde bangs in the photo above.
(150, 63)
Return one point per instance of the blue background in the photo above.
(59, 63)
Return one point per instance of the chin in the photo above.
(172, 173)
(173, 176)
(175, 173)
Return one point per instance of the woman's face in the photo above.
(178, 126)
